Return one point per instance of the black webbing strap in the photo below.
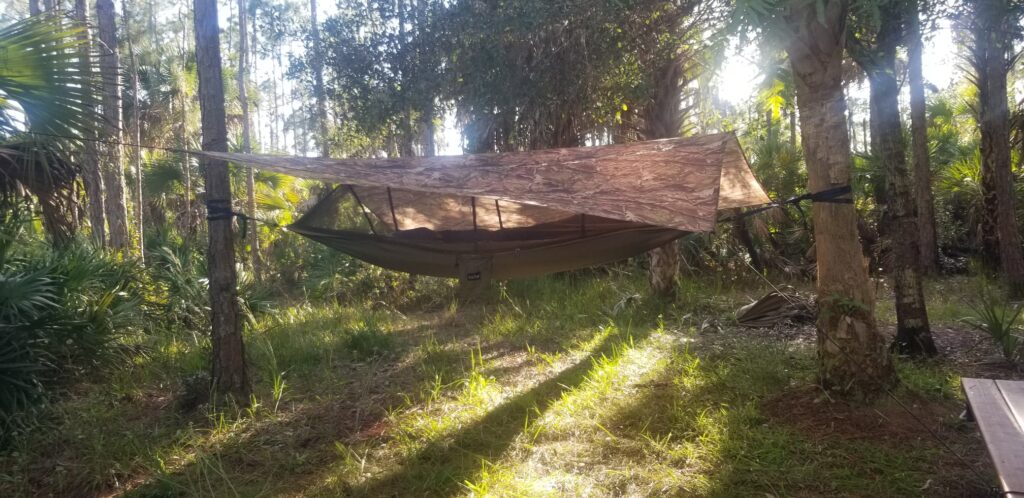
(219, 209)
(836, 195)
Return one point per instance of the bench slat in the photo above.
(1013, 393)
(991, 405)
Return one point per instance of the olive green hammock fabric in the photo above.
(484, 216)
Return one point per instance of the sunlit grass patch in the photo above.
(575, 385)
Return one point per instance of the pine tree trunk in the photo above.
(318, 82)
(992, 49)
(228, 372)
(922, 162)
(186, 165)
(92, 176)
(913, 335)
(852, 354)
(110, 67)
(136, 134)
(250, 174)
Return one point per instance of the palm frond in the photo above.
(43, 87)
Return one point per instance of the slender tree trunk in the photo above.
(92, 176)
(913, 335)
(429, 133)
(427, 113)
(110, 67)
(228, 372)
(742, 233)
(243, 100)
(992, 63)
(792, 127)
(922, 162)
(317, 64)
(33, 8)
(190, 228)
(852, 353)
(136, 133)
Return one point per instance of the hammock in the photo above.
(484, 216)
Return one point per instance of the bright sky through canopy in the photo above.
(739, 77)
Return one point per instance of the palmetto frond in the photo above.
(42, 85)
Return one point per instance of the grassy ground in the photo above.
(563, 386)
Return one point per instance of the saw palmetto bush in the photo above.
(61, 313)
(1000, 320)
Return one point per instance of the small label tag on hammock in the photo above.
(473, 276)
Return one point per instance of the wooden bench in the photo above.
(998, 408)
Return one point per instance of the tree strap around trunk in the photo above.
(835, 195)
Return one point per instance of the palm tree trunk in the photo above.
(913, 335)
(991, 52)
(92, 176)
(922, 164)
(852, 354)
(115, 203)
(243, 100)
(663, 119)
(228, 370)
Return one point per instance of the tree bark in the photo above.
(913, 335)
(663, 119)
(136, 134)
(228, 369)
(243, 100)
(110, 67)
(919, 140)
(183, 131)
(852, 354)
(317, 63)
(792, 128)
(991, 52)
(92, 176)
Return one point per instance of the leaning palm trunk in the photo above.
(852, 354)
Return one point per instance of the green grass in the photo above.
(564, 386)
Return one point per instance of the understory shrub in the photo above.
(998, 318)
(61, 311)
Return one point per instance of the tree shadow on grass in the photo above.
(712, 425)
(443, 467)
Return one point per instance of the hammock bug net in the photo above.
(483, 216)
